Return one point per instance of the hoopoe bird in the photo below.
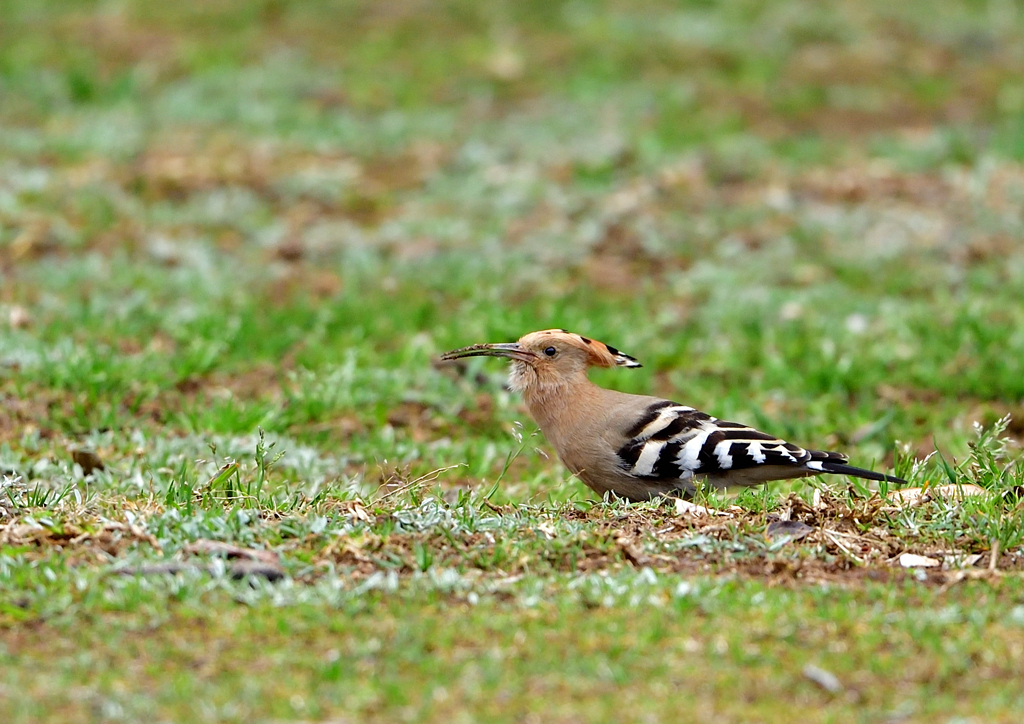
(636, 446)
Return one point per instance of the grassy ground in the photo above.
(235, 236)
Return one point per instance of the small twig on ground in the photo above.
(418, 482)
(831, 535)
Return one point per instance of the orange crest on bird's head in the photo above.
(550, 353)
(551, 343)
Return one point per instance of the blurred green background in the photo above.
(241, 214)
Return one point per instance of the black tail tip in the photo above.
(841, 469)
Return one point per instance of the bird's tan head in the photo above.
(548, 357)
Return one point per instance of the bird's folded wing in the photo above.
(676, 441)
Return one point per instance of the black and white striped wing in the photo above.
(676, 441)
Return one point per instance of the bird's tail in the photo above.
(836, 464)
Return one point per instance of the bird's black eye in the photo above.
(551, 351)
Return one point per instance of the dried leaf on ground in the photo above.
(912, 560)
(204, 546)
(918, 496)
(823, 678)
(792, 530)
(89, 460)
(237, 570)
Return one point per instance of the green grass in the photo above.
(723, 650)
(235, 237)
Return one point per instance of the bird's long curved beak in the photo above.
(512, 350)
